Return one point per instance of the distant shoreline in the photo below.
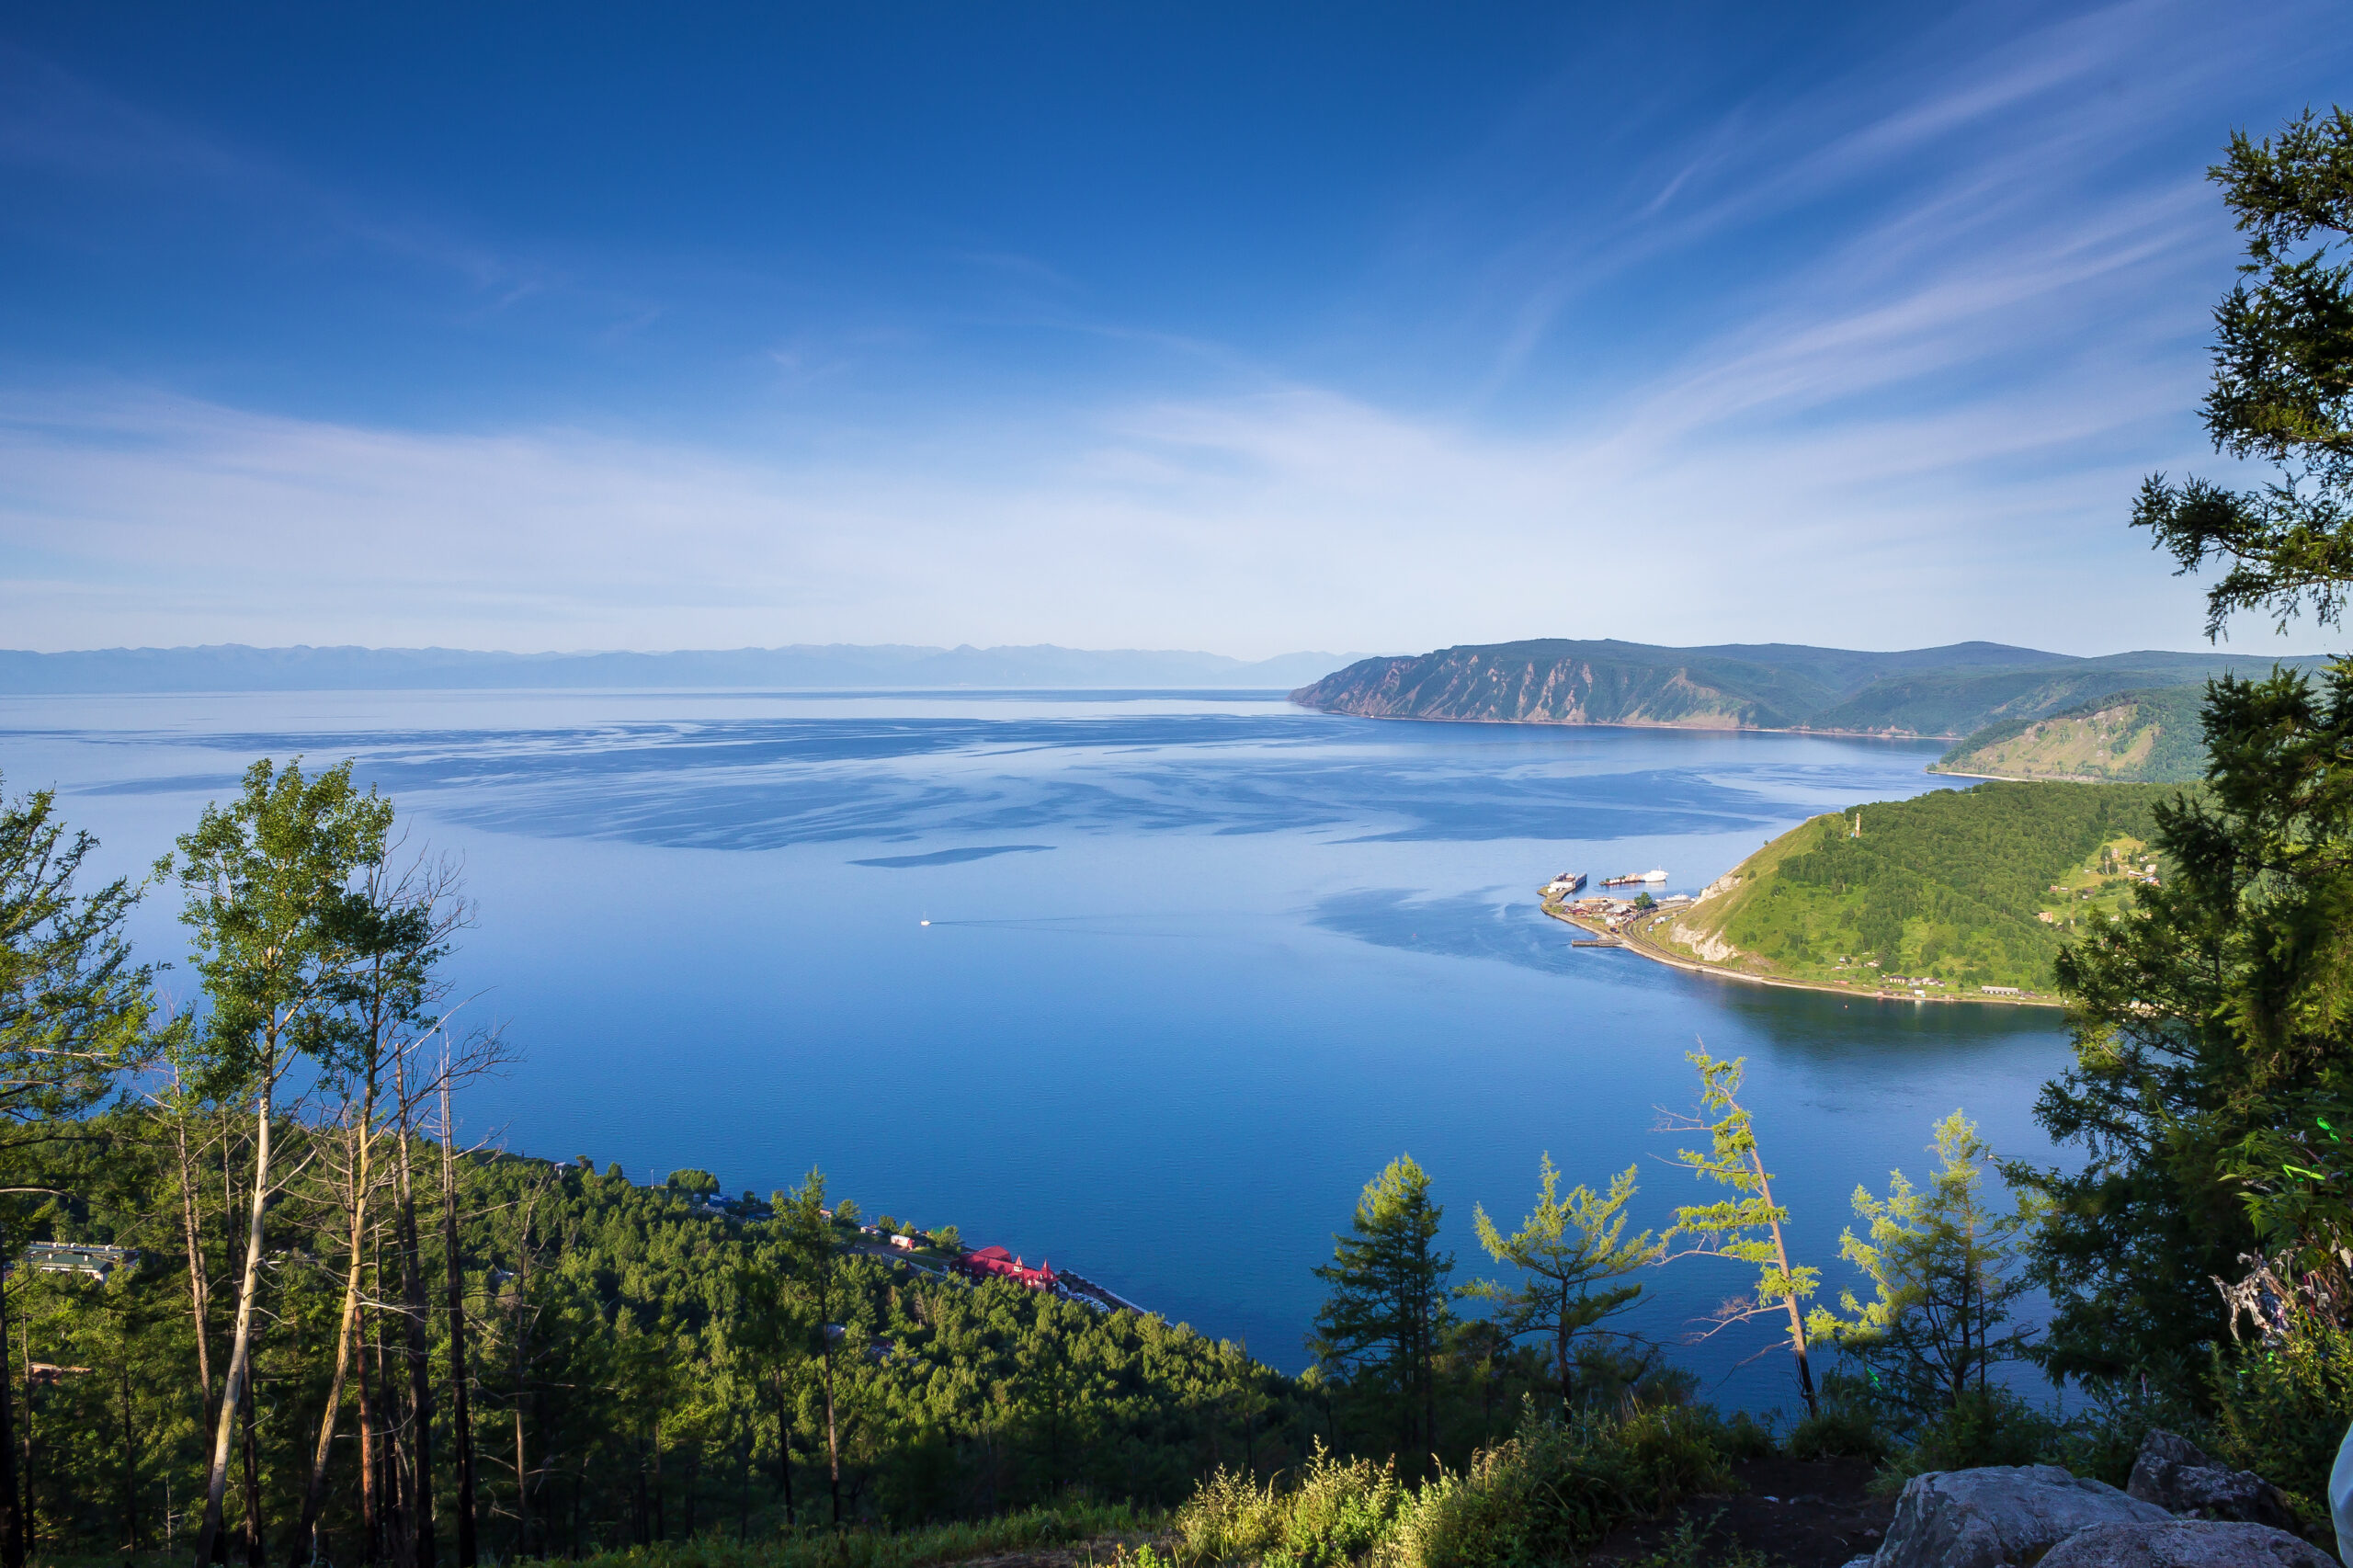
(1624, 724)
(1634, 942)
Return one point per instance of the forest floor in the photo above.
(1797, 1512)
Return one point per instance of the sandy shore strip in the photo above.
(1632, 940)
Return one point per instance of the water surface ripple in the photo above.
(1195, 964)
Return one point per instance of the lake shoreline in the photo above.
(1634, 942)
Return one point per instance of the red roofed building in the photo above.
(995, 1263)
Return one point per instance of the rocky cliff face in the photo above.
(1945, 692)
(1510, 686)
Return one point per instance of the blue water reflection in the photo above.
(1144, 984)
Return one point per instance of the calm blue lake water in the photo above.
(1197, 965)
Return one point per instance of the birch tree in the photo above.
(269, 880)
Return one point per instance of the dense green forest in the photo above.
(1953, 885)
(639, 1363)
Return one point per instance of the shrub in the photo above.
(2281, 1410)
(1851, 1423)
(1556, 1488)
(1336, 1510)
(1545, 1495)
(2102, 1442)
(1990, 1425)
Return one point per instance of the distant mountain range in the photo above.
(1942, 692)
(235, 667)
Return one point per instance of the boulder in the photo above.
(2186, 1543)
(2177, 1477)
(2002, 1513)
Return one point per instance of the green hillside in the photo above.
(1950, 886)
(2134, 736)
(1947, 691)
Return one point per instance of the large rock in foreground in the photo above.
(2186, 1543)
(2180, 1477)
(2000, 1514)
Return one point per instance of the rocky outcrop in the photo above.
(2186, 1543)
(2180, 1477)
(2000, 1515)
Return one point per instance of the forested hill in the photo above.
(1949, 692)
(1951, 886)
(2139, 737)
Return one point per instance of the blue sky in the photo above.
(1238, 327)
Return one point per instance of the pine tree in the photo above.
(1747, 1229)
(1942, 1264)
(1387, 1309)
(1569, 1252)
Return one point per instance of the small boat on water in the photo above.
(1633, 879)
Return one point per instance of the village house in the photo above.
(995, 1263)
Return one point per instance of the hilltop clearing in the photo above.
(1946, 894)
(1949, 692)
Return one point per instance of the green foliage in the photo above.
(692, 1180)
(2212, 1034)
(1564, 1249)
(1942, 1264)
(1064, 1521)
(1850, 1422)
(2282, 1407)
(74, 1009)
(1386, 1312)
(2283, 386)
(1334, 1511)
(1947, 885)
(1987, 1425)
(1547, 1492)
(1747, 1228)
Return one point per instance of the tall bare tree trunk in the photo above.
(363, 1140)
(522, 1482)
(784, 1446)
(1797, 1319)
(371, 1445)
(199, 1288)
(251, 1456)
(420, 1378)
(461, 1414)
(241, 1346)
(833, 1442)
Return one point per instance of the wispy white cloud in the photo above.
(1921, 423)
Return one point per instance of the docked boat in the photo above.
(1633, 879)
(1564, 884)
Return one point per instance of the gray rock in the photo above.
(2180, 1477)
(2002, 1513)
(2186, 1543)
